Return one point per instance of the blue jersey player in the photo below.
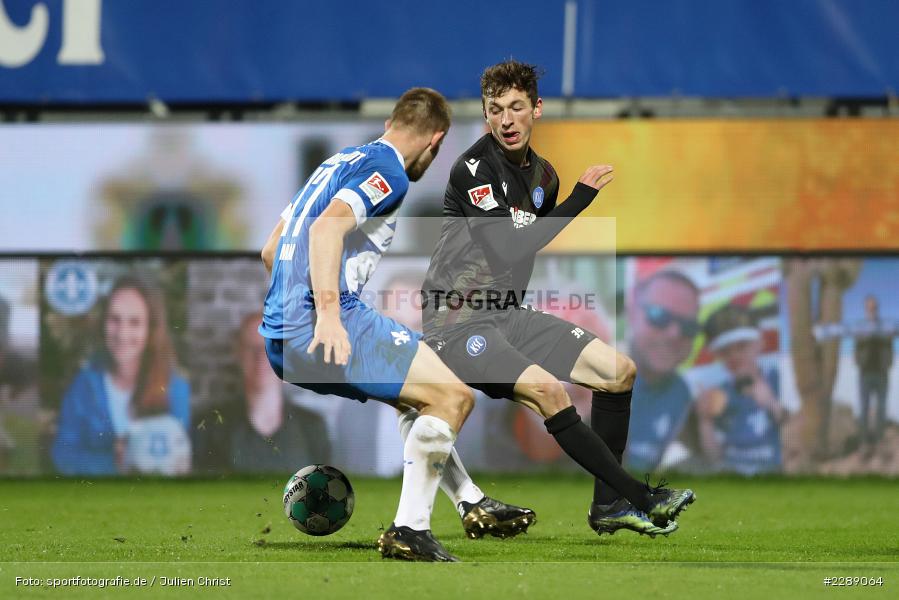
(322, 337)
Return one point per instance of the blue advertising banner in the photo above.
(738, 48)
(100, 51)
(262, 50)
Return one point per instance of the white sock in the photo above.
(456, 483)
(424, 456)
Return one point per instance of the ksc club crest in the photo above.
(476, 345)
(71, 287)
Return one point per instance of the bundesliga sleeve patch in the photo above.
(482, 197)
(376, 188)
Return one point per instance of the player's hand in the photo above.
(597, 176)
(329, 332)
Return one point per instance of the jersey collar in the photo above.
(502, 155)
(392, 147)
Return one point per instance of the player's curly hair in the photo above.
(423, 110)
(502, 77)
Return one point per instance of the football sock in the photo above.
(588, 450)
(610, 417)
(456, 483)
(424, 455)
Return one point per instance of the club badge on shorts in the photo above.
(476, 345)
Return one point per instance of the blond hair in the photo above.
(423, 110)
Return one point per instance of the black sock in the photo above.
(588, 450)
(610, 417)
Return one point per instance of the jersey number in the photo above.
(316, 184)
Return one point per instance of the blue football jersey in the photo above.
(372, 180)
(658, 413)
(751, 436)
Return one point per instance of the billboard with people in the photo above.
(747, 365)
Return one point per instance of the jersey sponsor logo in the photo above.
(476, 345)
(400, 337)
(521, 218)
(358, 269)
(482, 197)
(538, 196)
(472, 165)
(376, 188)
(380, 230)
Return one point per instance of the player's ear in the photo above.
(387, 124)
(538, 108)
(435, 139)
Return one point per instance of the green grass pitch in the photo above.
(753, 538)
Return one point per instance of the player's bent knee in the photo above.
(457, 396)
(454, 401)
(548, 395)
(623, 378)
(468, 399)
(627, 372)
(556, 398)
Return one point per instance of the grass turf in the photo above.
(742, 538)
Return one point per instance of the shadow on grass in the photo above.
(317, 545)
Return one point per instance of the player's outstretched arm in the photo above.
(325, 252)
(504, 240)
(271, 245)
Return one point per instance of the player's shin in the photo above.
(428, 445)
(456, 483)
(610, 417)
(588, 450)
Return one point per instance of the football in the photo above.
(318, 500)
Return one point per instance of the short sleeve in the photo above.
(374, 189)
(473, 190)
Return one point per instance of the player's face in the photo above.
(511, 118)
(127, 328)
(664, 325)
(417, 169)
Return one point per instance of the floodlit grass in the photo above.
(742, 538)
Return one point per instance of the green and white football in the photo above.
(318, 500)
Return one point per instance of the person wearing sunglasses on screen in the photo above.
(662, 321)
